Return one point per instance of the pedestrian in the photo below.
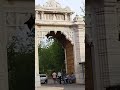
(68, 79)
(73, 78)
(64, 77)
(54, 76)
(59, 77)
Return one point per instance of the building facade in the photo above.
(102, 44)
(13, 17)
(51, 21)
(54, 20)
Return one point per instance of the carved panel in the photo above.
(48, 16)
(22, 18)
(69, 34)
(52, 4)
(60, 17)
(10, 18)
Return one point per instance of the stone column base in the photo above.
(80, 79)
(37, 82)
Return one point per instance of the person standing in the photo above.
(59, 77)
(54, 76)
(73, 78)
(64, 77)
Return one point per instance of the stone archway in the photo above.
(52, 17)
(71, 51)
(13, 17)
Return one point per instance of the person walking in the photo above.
(59, 77)
(54, 76)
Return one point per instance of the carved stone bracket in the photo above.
(69, 36)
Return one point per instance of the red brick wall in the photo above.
(69, 57)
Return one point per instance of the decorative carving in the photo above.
(61, 22)
(41, 35)
(52, 4)
(10, 18)
(20, 18)
(69, 36)
(48, 16)
(16, 18)
(60, 17)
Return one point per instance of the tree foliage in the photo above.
(51, 58)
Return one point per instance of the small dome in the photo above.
(77, 19)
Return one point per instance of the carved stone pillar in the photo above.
(70, 17)
(66, 17)
(42, 15)
(54, 17)
(3, 52)
(37, 77)
(3, 62)
(37, 16)
(79, 50)
(105, 36)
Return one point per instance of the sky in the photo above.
(73, 4)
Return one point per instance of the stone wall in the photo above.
(8, 26)
(102, 30)
(70, 57)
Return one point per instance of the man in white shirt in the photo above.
(54, 76)
(59, 77)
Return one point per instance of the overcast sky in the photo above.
(73, 4)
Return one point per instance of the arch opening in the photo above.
(67, 48)
(20, 57)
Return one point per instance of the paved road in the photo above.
(61, 87)
(49, 88)
(57, 86)
(74, 87)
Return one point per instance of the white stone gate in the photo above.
(52, 17)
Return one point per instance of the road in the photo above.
(74, 87)
(57, 86)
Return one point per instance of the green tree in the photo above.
(51, 57)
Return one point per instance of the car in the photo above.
(43, 78)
